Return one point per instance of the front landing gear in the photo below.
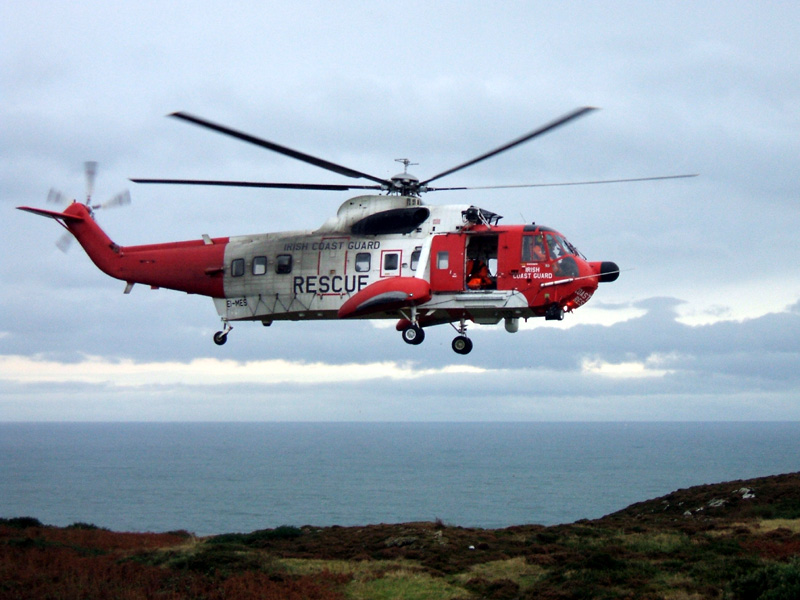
(412, 333)
(461, 344)
(222, 336)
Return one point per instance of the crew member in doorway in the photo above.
(478, 275)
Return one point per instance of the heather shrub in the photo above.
(21, 522)
(776, 581)
(257, 538)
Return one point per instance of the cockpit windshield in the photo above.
(555, 246)
(569, 247)
(546, 246)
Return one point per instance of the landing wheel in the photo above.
(413, 335)
(462, 345)
(220, 338)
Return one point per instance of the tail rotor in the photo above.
(57, 197)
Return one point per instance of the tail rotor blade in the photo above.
(56, 197)
(64, 242)
(90, 169)
(121, 199)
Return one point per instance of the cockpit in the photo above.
(548, 246)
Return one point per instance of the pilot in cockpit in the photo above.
(533, 249)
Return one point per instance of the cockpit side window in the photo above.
(533, 248)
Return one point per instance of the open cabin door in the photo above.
(481, 262)
(447, 263)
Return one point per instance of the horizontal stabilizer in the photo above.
(51, 214)
(385, 295)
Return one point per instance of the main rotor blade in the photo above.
(521, 140)
(260, 184)
(532, 185)
(313, 160)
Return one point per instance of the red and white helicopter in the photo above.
(387, 256)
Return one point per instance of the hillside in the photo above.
(736, 540)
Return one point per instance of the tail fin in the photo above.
(77, 219)
(58, 216)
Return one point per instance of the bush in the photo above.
(258, 538)
(284, 532)
(86, 527)
(21, 522)
(215, 561)
(776, 581)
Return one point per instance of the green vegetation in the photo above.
(403, 584)
(21, 522)
(775, 581)
(257, 538)
(706, 542)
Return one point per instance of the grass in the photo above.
(792, 525)
(410, 585)
(359, 570)
(655, 544)
(517, 570)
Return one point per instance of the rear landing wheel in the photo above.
(220, 338)
(413, 334)
(462, 345)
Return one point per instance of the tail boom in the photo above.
(195, 266)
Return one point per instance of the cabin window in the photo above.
(391, 261)
(259, 265)
(415, 259)
(442, 260)
(363, 262)
(237, 267)
(283, 264)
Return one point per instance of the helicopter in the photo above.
(384, 255)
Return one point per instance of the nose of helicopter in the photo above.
(607, 270)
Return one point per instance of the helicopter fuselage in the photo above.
(381, 257)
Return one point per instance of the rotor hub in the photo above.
(405, 184)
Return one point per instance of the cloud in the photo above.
(650, 367)
(625, 370)
(209, 371)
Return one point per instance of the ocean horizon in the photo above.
(211, 478)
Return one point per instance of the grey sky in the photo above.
(703, 324)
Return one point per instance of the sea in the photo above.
(211, 478)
